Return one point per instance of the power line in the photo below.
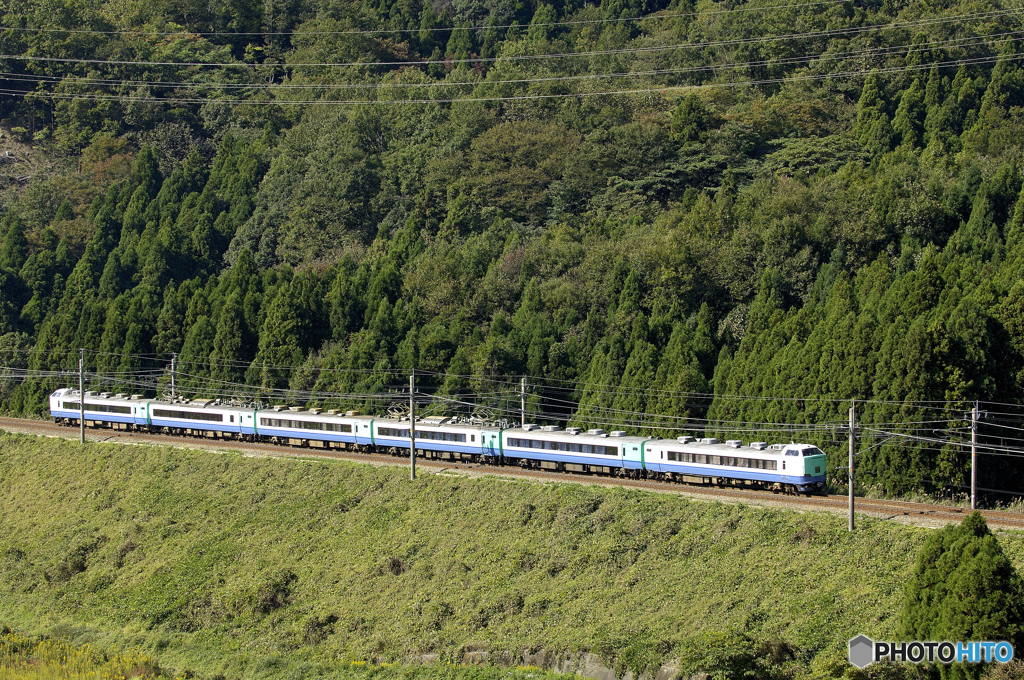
(664, 89)
(481, 27)
(478, 60)
(786, 61)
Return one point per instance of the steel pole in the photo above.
(412, 426)
(974, 457)
(853, 424)
(81, 394)
(522, 402)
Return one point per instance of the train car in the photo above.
(436, 435)
(201, 417)
(313, 427)
(552, 448)
(118, 411)
(799, 466)
(779, 466)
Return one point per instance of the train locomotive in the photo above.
(790, 467)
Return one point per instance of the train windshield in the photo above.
(813, 451)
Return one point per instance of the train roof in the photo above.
(97, 396)
(730, 447)
(573, 433)
(434, 421)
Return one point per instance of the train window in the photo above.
(304, 425)
(472, 437)
(232, 418)
(564, 446)
(187, 415)
(98, 408)
(439, 436)
(392, 432)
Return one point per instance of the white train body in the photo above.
(799, 466)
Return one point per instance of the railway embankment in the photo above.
(256, 567)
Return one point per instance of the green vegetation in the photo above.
(46, 658)
(964, 588)
(256, 568)
(801, 233)
(26, 658)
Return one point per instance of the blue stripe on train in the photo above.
(429, 445)
(196, 425)
(99, 417)
(564, 457)
(316, 435)
(740, 473)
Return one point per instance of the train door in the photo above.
(792, 464)
(631, 456)
(248, 425)
(491, 441)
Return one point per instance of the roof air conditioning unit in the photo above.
(685, 439)
(734, 443)
(597, 433)
(759, 446)
(550, 428)
(573, 430)
(709, 440)
(618, 433)
(529, 427)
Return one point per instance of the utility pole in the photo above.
(174, 366)
(412, 426)
(974, 457)
(853, 424)
(81, 394)
(522, 402)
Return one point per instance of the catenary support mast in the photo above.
(853, 424)
(412, 426)
(81, 394)
(974, 457)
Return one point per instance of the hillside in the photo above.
(256, 567)
(656, 210)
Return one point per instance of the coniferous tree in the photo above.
(963, 587)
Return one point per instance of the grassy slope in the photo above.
(249, 566)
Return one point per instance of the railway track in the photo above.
(904, 511)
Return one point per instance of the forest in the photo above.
(724, 217)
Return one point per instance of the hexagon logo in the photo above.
(862, 651)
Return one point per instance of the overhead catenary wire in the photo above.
(982, 448)
(901, 50)
(853, 30)
(391, 31)
(511, 383)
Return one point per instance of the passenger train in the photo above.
(796, 467)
